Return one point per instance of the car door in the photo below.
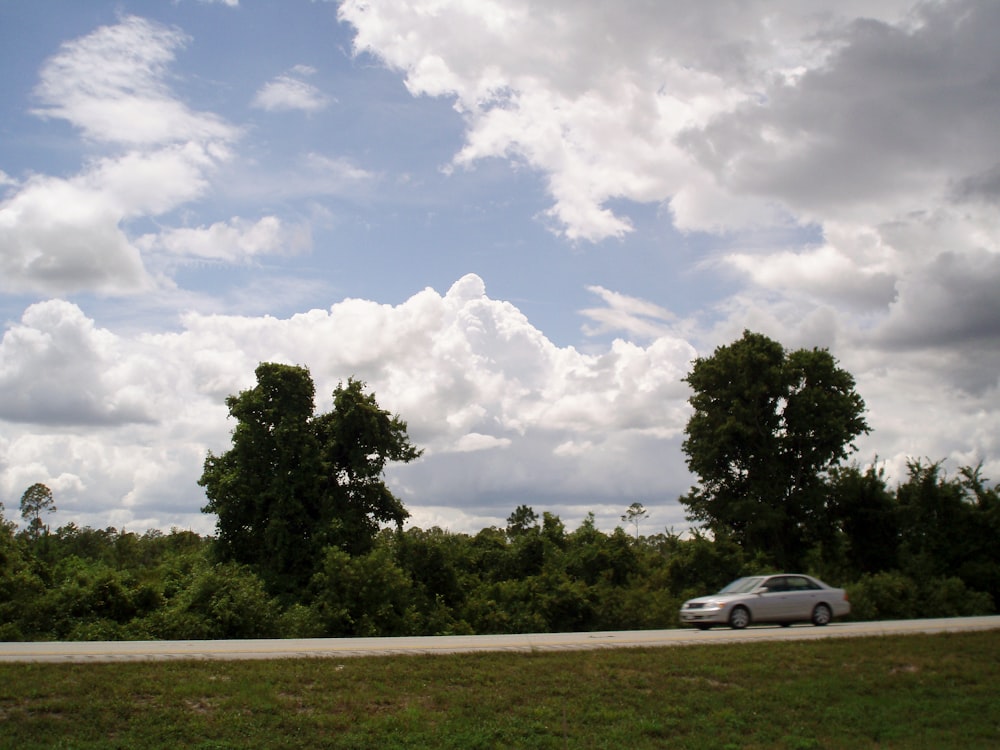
(769, 604)
(801, 596)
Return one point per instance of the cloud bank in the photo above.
(499, 409)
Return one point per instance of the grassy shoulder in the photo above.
(899, 692)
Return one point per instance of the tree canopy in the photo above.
(767, 427)
(294, 483)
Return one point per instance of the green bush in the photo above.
(891, 595)
(222, 601)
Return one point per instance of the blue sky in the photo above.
(518, 224)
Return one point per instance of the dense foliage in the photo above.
(926, 548)
(310, 541)
(294, 484)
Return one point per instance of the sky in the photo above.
(519, 223)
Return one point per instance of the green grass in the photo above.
(939, 691)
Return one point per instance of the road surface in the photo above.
(116, 651)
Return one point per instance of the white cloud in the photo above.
(630, 315)
(334, 175)
(61, 236)
(475, 441)
(236, 240)
(111, 84)
(822, 273)
(290, 92)
(57, 368)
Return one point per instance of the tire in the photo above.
(739, 618)
(821, 615)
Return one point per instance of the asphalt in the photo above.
(117, 651)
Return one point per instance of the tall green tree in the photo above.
(35, 501)
(767, 427)
(635, 514)
(294, 483)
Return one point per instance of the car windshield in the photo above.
(742, 585)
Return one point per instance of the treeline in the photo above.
(924, 549)
(302, 549)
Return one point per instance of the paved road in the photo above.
(106, 651)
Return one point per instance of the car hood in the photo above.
(720, 598)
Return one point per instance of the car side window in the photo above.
(798, 583)
(775, 585)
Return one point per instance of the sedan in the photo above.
(781, 599)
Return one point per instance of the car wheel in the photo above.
(739, 618)
(821, 615)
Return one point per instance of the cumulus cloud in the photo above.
(497, 406)
(290, 92)
(59, 236)
(58, 368)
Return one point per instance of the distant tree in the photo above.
(37, 499)
(636, 512)
(522, 520)
(294, 483)
(767, 427)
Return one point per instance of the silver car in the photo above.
(781, 599)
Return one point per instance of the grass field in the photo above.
(940, 691)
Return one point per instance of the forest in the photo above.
(311, 543)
